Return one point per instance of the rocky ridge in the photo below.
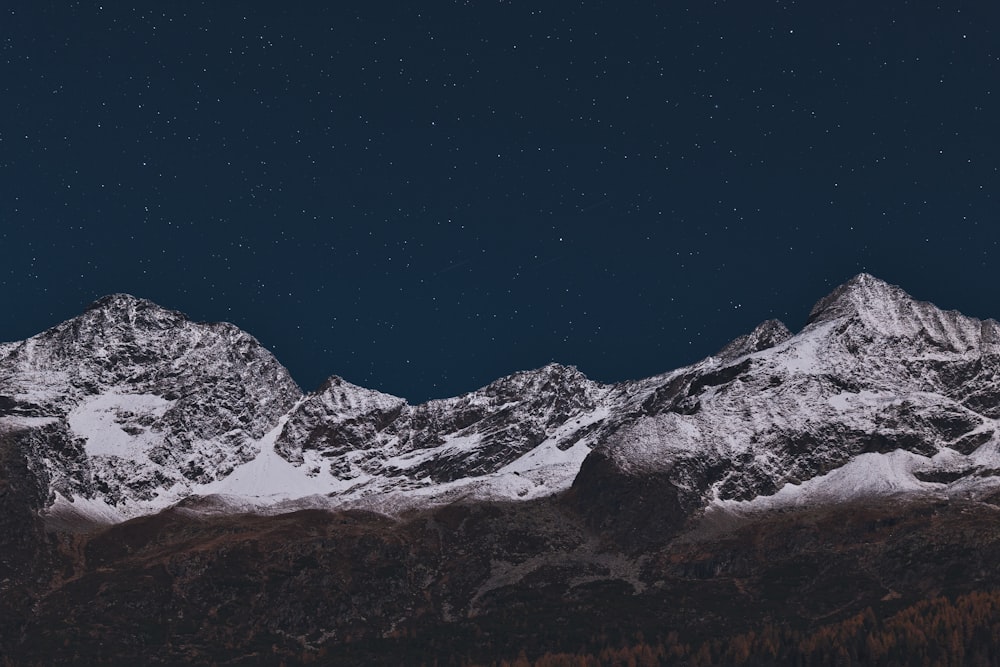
(878, 394)
(145, 400)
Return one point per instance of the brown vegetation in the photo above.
(934, 633)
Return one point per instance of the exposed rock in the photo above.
(874, 372)
(152, 400)
(766, 335)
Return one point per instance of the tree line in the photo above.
(940, 632)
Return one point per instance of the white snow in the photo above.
(542, 471)
(547, 455)
(948, 458)
(269, 476)
(800, 354)
(546, 469)
(97, 421)
(452, 445)
(852, 401)
(987, 455)
(867, 475)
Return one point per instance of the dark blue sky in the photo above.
(424, 199)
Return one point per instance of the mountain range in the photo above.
(170, 495)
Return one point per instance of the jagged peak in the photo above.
(550, 371)
(555, 368)
(888, 311)
(862, 294)
(551, 376)
(132, 310)
(765, 335)
(336, 386)
(120, 300)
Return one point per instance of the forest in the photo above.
(939, 632)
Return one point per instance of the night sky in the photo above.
(423, 199)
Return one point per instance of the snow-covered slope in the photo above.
(382, 443)
(878, 395)
(150, 409)
(152, 403)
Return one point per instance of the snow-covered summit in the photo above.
(890, 312)
(152, 400)
(382, 445)
(876, 381)
(766, 334)
(864, 293)
(122, 307)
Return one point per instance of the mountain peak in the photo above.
(550, 377)
(121, 308)
(348, 395)
(120, 301)
(765, 335)
(555, 368)
(862, 294)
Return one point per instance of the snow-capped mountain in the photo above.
(878, 394)
(521, 436)
(144, 400)
(142, 408)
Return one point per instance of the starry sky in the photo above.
(422, 199)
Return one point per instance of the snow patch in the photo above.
(866, 475)
(98, 421)
(851, 401)
(454, 444)
(269, 476)
(800, 354)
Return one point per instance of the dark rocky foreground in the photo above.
(467, 584)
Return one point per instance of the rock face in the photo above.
(147, 400)
(143, 408)
(386, 445)
(878, 394)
